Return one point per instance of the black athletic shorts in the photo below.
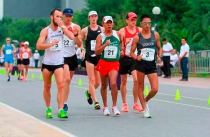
(51, 67)
(19, 62)
(25, 61)
(71, 62)
(146, 67)
(127, 65)
(92, 60)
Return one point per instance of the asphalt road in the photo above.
(188, 117)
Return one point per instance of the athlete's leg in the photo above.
(47, 85)
(140, 77)
(135, 86)
(59, 81)
(6, 65)
(26, 72)
(123, 87)
(97, 79)
(91, 80)
(104, 84)
(153, 79)
(114, 91)
(66, 81)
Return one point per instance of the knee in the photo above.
(97, 83)
(47, 87)
(104, 86)
(67, 79)
(141, 86)
(154, 89)
(113, 84)
(92, 80)
(135, 82)
(123, 82)
(60, 86)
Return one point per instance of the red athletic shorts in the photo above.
(104, 67)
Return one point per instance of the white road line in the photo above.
(38, 120)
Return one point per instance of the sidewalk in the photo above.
(15, 124)
(192, 81)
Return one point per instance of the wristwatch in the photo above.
(63, 27)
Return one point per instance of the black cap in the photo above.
(68, 11)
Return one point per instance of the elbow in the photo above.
(38, 47)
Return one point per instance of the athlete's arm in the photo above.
(121, 44)
(20, 53)
(133, 48)
(40, 45)
(83, 33)
(2, 49)
(30, 54)
(159, 49)
(77, 34)
(14, 49)
(99, 46)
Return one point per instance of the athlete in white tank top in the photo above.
(51, 40)
(53, 55)
(69, 45)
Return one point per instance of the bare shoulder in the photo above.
(140, 29)
(102, 28)
(77, 26)
(122, 30)
(156, 35)
(84, 30)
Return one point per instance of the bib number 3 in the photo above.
(148, 54)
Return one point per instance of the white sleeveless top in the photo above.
(69, 45)
(54, 55)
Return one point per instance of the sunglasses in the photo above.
(8, 40)
(145, 23)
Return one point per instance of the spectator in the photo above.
(79, 56)
(36, 58)
(173, 60)
(167, 48)
(183, 58)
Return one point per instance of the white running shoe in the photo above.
(147, 106)
(146, 114)
(115, 111)
(106, 112)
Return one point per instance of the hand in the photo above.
(59, 22)
(121, 53)
(54, 42)
(159, 60)
(75, 31)
(107, 42)
(139, 57)
(180, 58)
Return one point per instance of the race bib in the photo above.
(110, 52)
(56, 47)
(67, 42)
(25, 55)
(148, 54)
(93, 45)
(8, 51)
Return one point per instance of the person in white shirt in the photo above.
(173, 59)
(167, 48)
(36, 58)
(183, 58)
(79, 57)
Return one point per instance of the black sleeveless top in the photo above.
(91, 37)
(148, 46)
